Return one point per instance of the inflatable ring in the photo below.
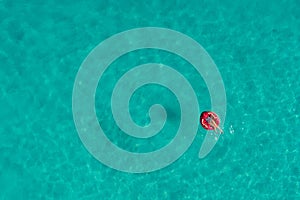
(204, 121)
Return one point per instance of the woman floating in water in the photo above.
(210, 121)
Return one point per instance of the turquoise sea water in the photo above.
(256, 46)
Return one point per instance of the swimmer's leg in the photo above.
(213, 124)
(221, 131)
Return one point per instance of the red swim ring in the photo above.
(204, 117)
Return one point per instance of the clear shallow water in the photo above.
(256, 48)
